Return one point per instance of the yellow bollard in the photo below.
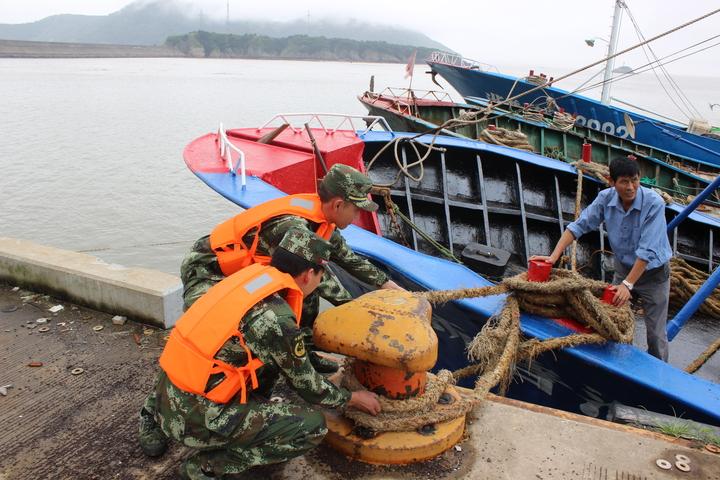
(389, 334)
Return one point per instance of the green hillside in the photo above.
(300, 47)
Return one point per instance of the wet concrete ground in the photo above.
(55, 424)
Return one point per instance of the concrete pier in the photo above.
(63, 423)
(144, 295)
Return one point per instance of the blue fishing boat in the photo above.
(465, 196)
(480, 86)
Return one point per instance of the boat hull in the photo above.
(680, 177)
(478, 85)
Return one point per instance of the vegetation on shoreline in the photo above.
(297, 47)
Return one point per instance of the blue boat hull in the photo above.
(478, 86)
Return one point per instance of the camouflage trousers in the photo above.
(233, 437)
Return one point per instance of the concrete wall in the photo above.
(145, 295)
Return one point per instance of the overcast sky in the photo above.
(545, 35)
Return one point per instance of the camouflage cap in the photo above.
(306, 244)
(353, 186)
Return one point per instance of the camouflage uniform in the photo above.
(233, 437)
(200, 269)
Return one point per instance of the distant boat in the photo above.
(477, 84)
(480, 86)
(469, 192)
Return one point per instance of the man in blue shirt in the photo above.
(634, 218)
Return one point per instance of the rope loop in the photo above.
(498, 347)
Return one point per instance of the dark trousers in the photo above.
(653, 288)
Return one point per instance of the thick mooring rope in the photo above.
(563, 121)
(497, 347)
(509, 138)
(596, 170)
(704, 357)
(685, 281)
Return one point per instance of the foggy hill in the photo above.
(152, 22)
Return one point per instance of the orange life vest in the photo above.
(189, 355)
(226, 240)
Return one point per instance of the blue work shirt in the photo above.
(641, 232)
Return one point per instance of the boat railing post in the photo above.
(226, 149)
(691, 306)
(318, 118)
(241, 164)
(221, 141)
(694, 204)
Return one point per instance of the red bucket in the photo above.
(539, 271)
(587, 152)
(608, 294)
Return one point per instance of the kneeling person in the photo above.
(216, 400)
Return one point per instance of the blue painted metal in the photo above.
(621, 371)
(629, 368)
(687, 311)
(694, 204)
(478, 86)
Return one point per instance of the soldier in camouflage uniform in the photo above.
(343, 193)
(232, 437)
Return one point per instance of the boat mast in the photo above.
(612, 46)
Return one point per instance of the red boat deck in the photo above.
(293, 167)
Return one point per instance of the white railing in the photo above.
(459, 61)
(292, 119)
(226, 149)
(417, 94)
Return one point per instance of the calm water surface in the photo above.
(91, 149)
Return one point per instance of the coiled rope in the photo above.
(509, 138)
(497, 347)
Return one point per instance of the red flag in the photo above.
(410, 67)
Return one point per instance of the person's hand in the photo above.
(365, 401)
(622, 295)
(545, 258)
(390, 285)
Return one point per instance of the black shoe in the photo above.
(153, 441)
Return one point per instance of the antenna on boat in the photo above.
(612, 46)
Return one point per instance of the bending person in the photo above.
(634, 219)
(216, 400)
(252, 236)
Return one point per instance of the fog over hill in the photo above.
(151, 22)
